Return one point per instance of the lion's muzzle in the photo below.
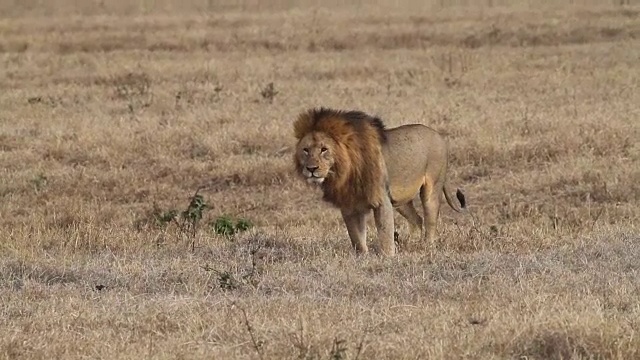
(311, 173)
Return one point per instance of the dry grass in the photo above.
(107, 121)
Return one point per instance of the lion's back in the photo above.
(411, 145)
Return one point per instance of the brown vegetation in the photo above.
(113, 113)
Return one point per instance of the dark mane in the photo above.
(355, 118)
(358, 174)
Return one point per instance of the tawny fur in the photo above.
(361, 166)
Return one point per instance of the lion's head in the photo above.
(342, 152)
(315, 155)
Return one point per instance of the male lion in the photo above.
(361, 166)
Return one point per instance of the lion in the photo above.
(362, 166)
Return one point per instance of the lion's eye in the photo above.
(305, 151)
(323, 150)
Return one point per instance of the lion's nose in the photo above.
(312, 169)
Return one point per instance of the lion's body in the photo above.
(361, 166)
(414, 154)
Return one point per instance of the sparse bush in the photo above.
(223, 226)
(226, 226)
(244, 225)
(193, 214)
(269, 92)
(188, 220)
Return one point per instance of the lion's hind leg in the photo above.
(430, 199)
(409, 212)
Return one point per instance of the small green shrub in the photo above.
(244, 225)
(223, 226)
(194, 211)
(226, 226)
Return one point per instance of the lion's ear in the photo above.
(302, 125)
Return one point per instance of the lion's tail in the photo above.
(459, 195)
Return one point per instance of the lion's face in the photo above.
(316, 157)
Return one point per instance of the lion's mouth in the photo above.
(315, 180)
(312, 178)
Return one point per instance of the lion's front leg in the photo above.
(357, 228)
(383, 215)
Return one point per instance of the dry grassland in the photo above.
(112, 113)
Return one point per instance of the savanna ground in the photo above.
(114, 113)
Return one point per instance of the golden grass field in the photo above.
(113, 113)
